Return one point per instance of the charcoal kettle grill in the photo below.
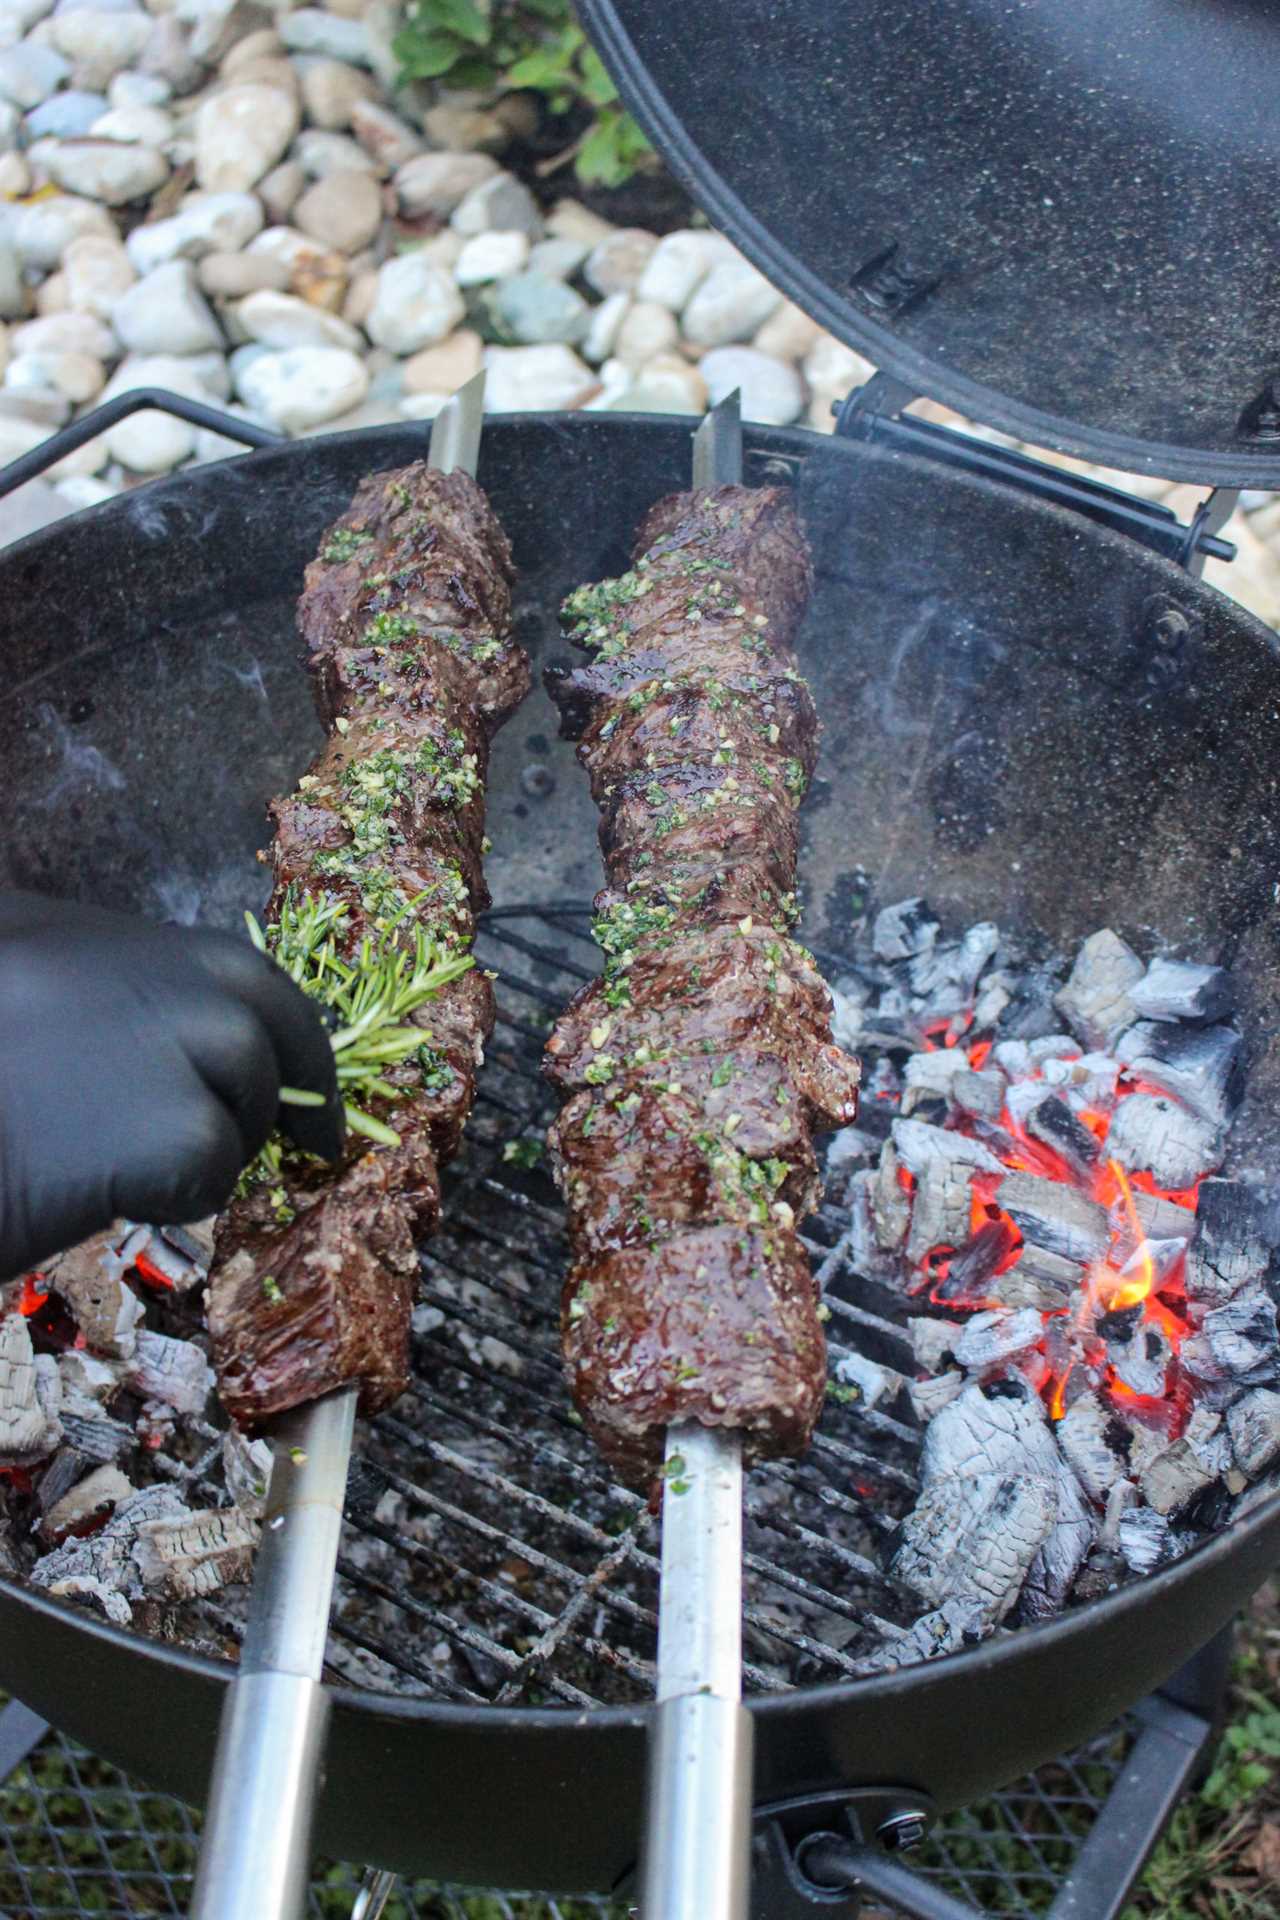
(1037, 713)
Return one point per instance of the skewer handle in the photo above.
(698, 1814)
(256, 1848)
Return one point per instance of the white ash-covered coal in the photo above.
(1091, 1306)
(109, 1455)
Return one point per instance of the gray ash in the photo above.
(1034, 1188)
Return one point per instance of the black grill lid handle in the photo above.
(28, 465)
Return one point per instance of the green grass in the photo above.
(1220, 1859)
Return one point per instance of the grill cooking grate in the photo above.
(487, 1555)
(78, 1838)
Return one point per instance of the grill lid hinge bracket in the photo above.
(875, 413)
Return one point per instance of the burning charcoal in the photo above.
(107, 1557)
(96, 1496)
(29, 1396)
(1144, 1539)
(992, 1001)
(189, 1555)
(1183, 1470)
(1053, 1216)
(1236, 1234)
(1003, 1431)
(1024, 1096)
(101, 1439)
(917, 1144)
(891, 1205)
(861, 1250)
(1086, 1082)
(97, 1595)
(940, 1210)
(973, 1538)
(1054, 1125)
(904, 930)
(956, 1624)
(1161, 1220)
(1089, 1435)
(105, 1308)
(946, 977)
(1152, 1133)
(172, 1371)
(170, 1256)
(848, 1147)
(932, 1073)
(1096, 1003)
(872, 1381)
(1180, 990)
(1142, 1361)
(929, 1397)
(1052, 1046)
(933, 1342)
(979, 1093)
(847, 1018)
(973, 1267)
(1197, 1065)
(88, 1382)
(1039, 1279)
(1254, 1426)
(1243, 1338)
(992, 1337)
(1120, 1498)
(1013, 1057)
(246, 1469)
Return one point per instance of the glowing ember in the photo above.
(34, 1293)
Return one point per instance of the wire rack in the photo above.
(78, 1838)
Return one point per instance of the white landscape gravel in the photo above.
(234, 198)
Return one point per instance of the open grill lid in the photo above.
(1061, 220)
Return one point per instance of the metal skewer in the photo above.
(697, 1846)
(256, 1849)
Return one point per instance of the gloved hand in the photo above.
(140, 1070)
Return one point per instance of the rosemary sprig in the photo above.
(369, 999)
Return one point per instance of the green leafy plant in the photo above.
(533, 44)
(369, 999)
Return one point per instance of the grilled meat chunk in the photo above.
(406, 615)
(698, 1067)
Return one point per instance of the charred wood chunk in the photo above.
(955, 1624)
(1142, 1359)
(970, 1276)
(1145, 1539)
(107, 1558)
(1197, 1065)
(919, 1145)
(1237, 1231)
(1092, 1439)
(94, 1497)
(1254, 1425)
(1054, 1217)
(1183, 990)
(1039, 1278)
(189, 1555)
(979, 1093)
(1152, 1133)
(973, 1539)
(1096, 1001)
(1242, 1337)
(933, 1342)
(929, 1396)
(172, 1371)
(905, 929)
(1052, 1122)
(993, 1337)
(932, 1073)
(940, 1210)
(104, 1306)
(1176, 1477)
(29, 1397)
(891, 1205)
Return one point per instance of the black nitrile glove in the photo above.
(140, 1070)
